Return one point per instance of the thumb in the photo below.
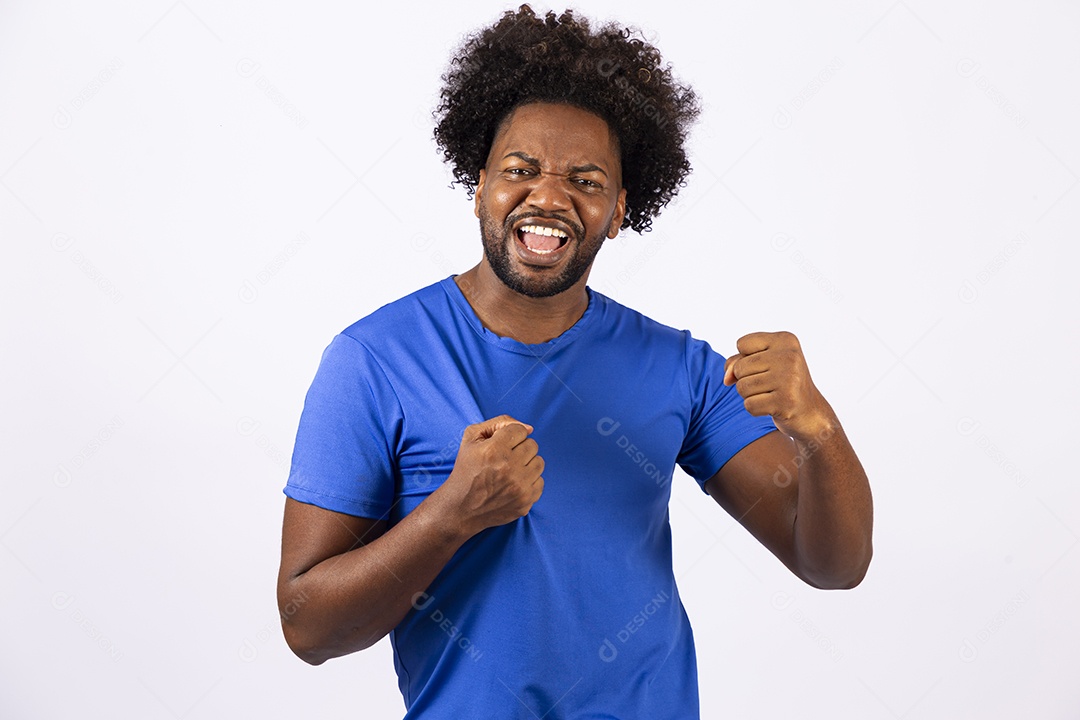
(729, 369)
(487, 428)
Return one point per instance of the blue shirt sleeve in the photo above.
(720, 426)
(345, 444)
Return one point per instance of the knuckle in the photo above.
(504, 466)
(754, 406)
(494, 458)
(747, 385)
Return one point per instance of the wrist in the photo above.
(446, 517)
(814, 429)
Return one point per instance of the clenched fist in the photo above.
(496, 477)
(771, 375)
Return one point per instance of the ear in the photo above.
(479, 190)
(620, 213)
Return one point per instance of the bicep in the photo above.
(311, 534)
(758, 487)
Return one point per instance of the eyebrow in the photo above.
(588, 167)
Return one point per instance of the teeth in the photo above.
(538, 230)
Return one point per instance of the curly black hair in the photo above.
(526, 58)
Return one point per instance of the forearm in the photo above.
(350, 601)
(834, 517)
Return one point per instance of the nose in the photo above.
(549, 192)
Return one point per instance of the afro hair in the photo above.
(610, 72)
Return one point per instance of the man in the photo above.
(461, 479)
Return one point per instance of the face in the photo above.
(550, 195)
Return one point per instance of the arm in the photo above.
(802, 492)
(345, 582)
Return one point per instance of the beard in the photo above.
(542, 282)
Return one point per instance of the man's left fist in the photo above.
(770, 374)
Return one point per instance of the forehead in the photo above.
(557, 133)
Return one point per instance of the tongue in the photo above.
(540, 242)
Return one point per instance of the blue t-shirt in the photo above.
(572, 610)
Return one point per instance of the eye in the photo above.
(587, 183)
(518, 171)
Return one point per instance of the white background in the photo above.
(195, 197)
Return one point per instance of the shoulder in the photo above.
(401, 319)
(625, 323)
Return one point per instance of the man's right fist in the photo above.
(496, 477)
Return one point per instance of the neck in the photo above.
(510, 314)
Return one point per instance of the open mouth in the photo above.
(541, 240)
